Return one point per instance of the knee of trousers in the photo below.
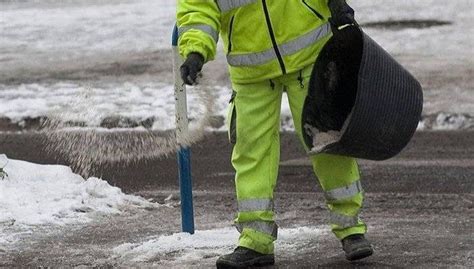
(256, 171)
(334, 171)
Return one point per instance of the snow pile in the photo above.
(207, 244)
(447, 121)
(34, 194)
(78, 103)
(93, 106)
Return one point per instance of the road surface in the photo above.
(419, 207)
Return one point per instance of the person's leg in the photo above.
(254, 117)
(338, 175)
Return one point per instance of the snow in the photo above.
(446, 121)
(59, 36)
(76, 102)
(207, 244)
(88, 28)
(34, 194)
(450, 43)
(69, 30)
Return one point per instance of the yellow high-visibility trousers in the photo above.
(254, 129)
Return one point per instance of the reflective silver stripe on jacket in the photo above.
(344, 192)
(265, 227)
(287, 48)
(343, 220)
(251, 58)
(226, 5)
(203, 27)
(256, 205)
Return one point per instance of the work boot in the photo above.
(356, 247)
(243, 257)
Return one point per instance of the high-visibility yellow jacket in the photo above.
(262, 39)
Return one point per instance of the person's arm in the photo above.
(198, 27)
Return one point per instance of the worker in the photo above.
(271, 47)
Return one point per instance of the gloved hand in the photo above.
(191, 68)
(341, 13)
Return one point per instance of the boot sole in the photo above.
(258, 262)
(360, 254)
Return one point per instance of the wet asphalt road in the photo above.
(419, 206)
(433, 162)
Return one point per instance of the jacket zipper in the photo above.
(313, 10)
(272, 36)
(231, 26)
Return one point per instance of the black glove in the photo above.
(341, 13)
(191, 68)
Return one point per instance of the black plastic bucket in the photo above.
(360, 98)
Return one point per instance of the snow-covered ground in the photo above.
(207, 244)
(47, 46)
(72, 101)
(37, 199)
(38, 32)
(33, 195)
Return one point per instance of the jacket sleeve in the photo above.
(198, 27)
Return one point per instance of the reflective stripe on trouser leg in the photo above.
(255, 158)
(344, 192)
(255, 205)
(344, 216)
(337, 175)
(264, 227)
